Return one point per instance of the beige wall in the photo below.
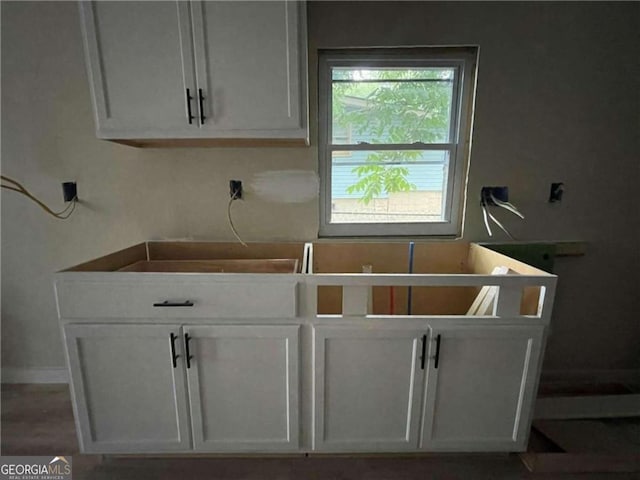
(557, 100)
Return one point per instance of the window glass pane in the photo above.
(364, 74)
(397, 186)
(392, 105)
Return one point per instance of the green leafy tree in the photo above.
(413, 110)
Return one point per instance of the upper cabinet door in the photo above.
(251, 68)
(140, 60)
(480, 390)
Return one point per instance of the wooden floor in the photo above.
(37, 420)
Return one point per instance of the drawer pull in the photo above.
(167, 303)
(174, 357)
(186, 349)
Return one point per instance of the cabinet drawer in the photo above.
(184, 299)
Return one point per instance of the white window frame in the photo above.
(464, 60)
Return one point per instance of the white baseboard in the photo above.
(35, 375)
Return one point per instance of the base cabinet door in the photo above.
(367, 388)
(128, 391)
(480, 387)
(243, 387)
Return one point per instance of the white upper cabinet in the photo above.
(480, 387)
(170, 72)
(248, 67)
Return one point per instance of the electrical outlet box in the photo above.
(235, 189)
(555, 194)
(70, 191)
(500, 193)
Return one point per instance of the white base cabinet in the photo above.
(162, 360)
(367, 388)
(129, 386)
(480, 387)
(127, 395)
(140, 388)
(243, 387)
(470, 388)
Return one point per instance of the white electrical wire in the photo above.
(506, 206)
(502, 227)
(486, 220)
(233, 228)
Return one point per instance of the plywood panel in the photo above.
(282, 265)
(481, 260)
(429, 257)
(349, 257)
(215, 250)
(114, 261)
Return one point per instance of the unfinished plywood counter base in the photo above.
(188, 347)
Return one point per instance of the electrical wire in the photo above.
(486, 220)
(502, 227)
(68, 214)
(18, 187)
(506, 206)
(233, 228)
(489, 199)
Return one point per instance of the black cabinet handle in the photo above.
(174, 357)
(167, 303)
(190, 117)
(186, 349)
(437, 357)
(424, 350)
(201, 104)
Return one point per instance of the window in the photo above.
(394, 140)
